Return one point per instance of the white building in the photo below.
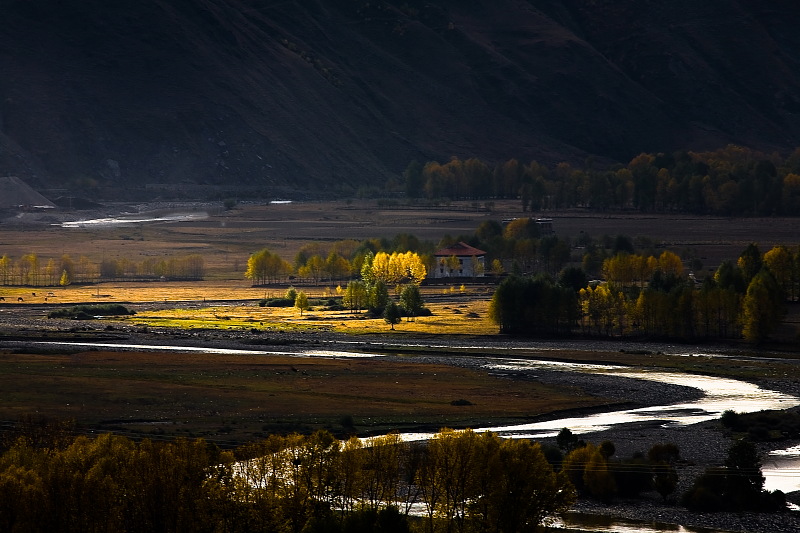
(459, 261)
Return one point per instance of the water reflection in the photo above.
(781, 468)
(331, 354)
(599, 523)
(720, 394)
(128, 220)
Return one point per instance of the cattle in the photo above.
(20, 299)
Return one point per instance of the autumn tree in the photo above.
(762, 307)
(382, 469)
(336, 266)
(313, 268)
(28, 269)
(394, 269)
(265, 267)
(355, 295)
(780, 263)
(588, 471)
(497, 267)
(749, 262)
(301, 302)
(6, 270)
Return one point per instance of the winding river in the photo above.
(781, 468)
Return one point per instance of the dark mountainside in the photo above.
(326, 96)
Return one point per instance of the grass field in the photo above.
(228, 399)
(446, 319)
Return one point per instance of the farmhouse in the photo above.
(458, 261)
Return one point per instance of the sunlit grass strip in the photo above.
(465, 319)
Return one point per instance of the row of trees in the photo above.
(458, 481)
(393, 269)
(516, 246)
(733, 181)
(32, 270)
(645, 295)
(465, 481)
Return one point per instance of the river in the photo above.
(780, 470)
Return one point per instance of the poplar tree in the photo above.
(762, 307)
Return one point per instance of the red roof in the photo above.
(460, 249)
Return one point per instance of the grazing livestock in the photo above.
(20, 299)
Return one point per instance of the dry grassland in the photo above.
(229, 398)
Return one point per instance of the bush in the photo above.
(632, 476)
(88, 312)
(764, 425)
(736, 487)
(276, 302)
(460, 402)
(730, 419)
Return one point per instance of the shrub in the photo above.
(88, 312)
(730, 419)
(738, 486)
(291, 294)
(276, 302)
(460, 402)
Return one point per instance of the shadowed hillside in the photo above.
(330, 95)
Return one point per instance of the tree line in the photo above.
(517, 246)
(395, 268)
(314, 483)
(459, 482)
(653, 296)
(33, 270)
(731, 181)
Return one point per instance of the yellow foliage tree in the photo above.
(398, 268)
(780, 263)
(670, 263)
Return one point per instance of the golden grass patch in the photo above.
(447, 319)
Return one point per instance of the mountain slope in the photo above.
(331, 95)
